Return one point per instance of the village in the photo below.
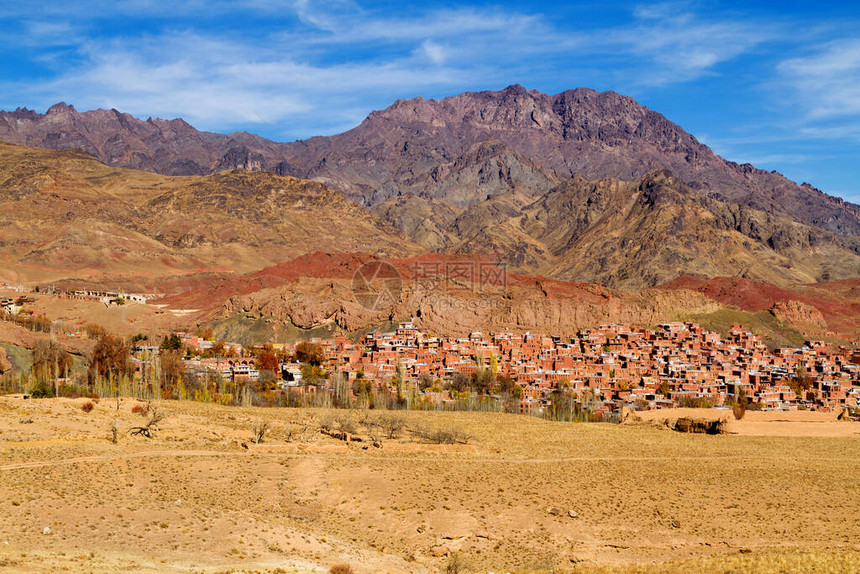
(602, 370)
(610, 367)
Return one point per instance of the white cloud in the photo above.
(681, 45)
(433, 51)
(827, 83)
(343, 60)
(221, 84)
(312, 79)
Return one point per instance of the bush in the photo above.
(141, 409)
(87, 406)
(455, 564)
(341, 569)
(259, 431)
(42, 390)
(70, 391)
(695, 402)
(326, 423)
(347, 425)
(392, 425)
(450, 435)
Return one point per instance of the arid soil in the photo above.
(524, 495)
(757, 423)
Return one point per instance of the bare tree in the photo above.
(449, 435)
(147, 430)
(259, 431)
(114, 428)
(392, 425)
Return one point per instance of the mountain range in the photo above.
(581, 186)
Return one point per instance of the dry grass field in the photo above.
(200, 496)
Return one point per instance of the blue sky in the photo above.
(776, 84)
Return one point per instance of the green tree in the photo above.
(171, 368)
(362, 386)
(313, 375)
(50, 361)
(802, 381)
(426, 381)
(400, 382)
(171, 342)
(562, 405)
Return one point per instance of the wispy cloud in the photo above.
(341, 59)
(681, 45)
(320, 77)
(827, 82)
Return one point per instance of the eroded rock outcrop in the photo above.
(5, 365)
(803, 316)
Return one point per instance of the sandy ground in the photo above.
(194, 499)
(758, 423)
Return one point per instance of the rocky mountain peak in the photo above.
(61, 108)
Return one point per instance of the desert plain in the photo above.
(775, 493)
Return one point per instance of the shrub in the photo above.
(140, 409)
(695, 402)
(392, 425)
(739, 411)
(451, 435)
(455, 564)
(42, 390)
(347, 425)
(326, 423)
(259, 431)
(341, 569)
(87, 406)
(70, 391)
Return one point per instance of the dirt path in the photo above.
(321, 456)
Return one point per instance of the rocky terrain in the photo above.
(641, 233)
(64, 214)
(169, 147)
(276, 250)
(316, 295)
(5, 364)
(581, 185)
(459, 150)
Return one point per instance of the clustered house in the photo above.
(615, 365)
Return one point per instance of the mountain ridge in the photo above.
(576, 132)
(581, 185)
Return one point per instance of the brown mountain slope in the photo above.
(317, 291)
(816, 307)
(484, 172)
(64, 214)
(638, 234)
